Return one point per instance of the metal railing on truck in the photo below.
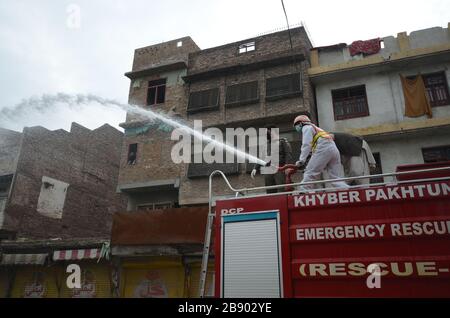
(245, 191)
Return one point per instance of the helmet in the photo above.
(302, 119)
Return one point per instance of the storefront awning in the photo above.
(66, 255)
(23, 259)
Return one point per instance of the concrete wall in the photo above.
(401, 150)
(87, 161)
(416, 40)
(384, 95)
(429, 37)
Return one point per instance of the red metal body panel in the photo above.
(423, 175)
(330, 239)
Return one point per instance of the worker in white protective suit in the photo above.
(325, 155)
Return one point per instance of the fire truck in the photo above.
(389, 239)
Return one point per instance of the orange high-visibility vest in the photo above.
(320, 133)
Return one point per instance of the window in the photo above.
(240, 94)
(203, 100)
(203, 169)
(436, 154)
(132, 154)
(283, 86)
(154, 206)
(437, 88)
(179, 43)
(378, 169)
(247, 47)
(156, 92)
(350, 102)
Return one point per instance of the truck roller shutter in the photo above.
(251, 260)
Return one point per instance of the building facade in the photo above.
(246, 84)
(62, 184)
(58, 190)
(362, 93)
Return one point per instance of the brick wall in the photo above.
(88, 161)
(267, 47)
(163, 53)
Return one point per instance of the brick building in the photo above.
(61, 184)
(58, 194)
(249, 83)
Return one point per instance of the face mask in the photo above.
(299, 128)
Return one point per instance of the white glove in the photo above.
(300, 163)
(253, 174)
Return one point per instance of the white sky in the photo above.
(39, 54)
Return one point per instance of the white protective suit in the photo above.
(359, 165)
(326, 158)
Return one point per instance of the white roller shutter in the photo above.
(251, 260)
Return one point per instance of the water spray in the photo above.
(48, 102)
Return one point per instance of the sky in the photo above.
(85, 46)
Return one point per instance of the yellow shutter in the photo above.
(36, 282)
(95, 281)
(157, 277)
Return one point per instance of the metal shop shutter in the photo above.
(251, 256)
(36, 282)
(157, 279)
(95, 282)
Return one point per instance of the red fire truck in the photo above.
(380, 240)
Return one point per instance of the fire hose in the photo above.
(289, 171)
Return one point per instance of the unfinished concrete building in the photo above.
(360, 90)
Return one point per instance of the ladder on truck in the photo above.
(206, 247)
(208, 232)
(245, 191)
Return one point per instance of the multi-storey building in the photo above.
(249, 83)
(57, 198)
(246, 84)
(361, 91)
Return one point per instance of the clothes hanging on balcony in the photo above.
(366, 47)
(416, 101)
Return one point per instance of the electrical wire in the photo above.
(287, 23)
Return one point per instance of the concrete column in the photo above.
(403, 41)
(314, 58)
